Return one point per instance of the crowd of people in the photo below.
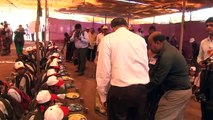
(6, 35)
(149, 69)
(31, 96)
(162, 81)
(161, 90)
(19, 36)
(82, 45)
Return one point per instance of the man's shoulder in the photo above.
(110, 35)
(99, 35)
(170, 51)
(204, 40)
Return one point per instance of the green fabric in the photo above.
(171, 70)
(19, 48)
(19, 42)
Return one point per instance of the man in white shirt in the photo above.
(205, 60)
(81, 40)
(104, 32)
(27, 32)
(43, 32)
(122, 73)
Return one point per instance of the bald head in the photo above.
(157, 36)
(155, 41)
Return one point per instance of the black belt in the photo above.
(186, 88)
(210, 69)
(134, 85)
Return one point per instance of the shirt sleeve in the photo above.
(103, 74)
(163, 67)
(72, 37)
(201, 53)
(85, 37)
(23, 83)
(97, 38)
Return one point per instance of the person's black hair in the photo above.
(209, 20)
(1, 83)
(167, 38)
(101, 26)
(159, 37)
(78, 26)
(152, 28)
(118, 22)
(66, 34)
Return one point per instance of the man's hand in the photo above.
(201, 64)
(104, 106)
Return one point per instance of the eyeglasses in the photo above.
(209, 25)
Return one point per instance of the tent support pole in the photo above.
(105, 19)
(37, 38)
(46, 26)
(182, 26)
(93, 19)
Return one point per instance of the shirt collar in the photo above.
(121, 28)
(209, 39)
(165, 45)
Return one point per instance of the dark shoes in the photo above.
(69, 61)
(80, 74)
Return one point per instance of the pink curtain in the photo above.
(195, 29)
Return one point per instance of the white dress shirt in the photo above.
(99, 37)
(122, 61)
(82, 42)
(206, 49)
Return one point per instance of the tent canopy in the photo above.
(133, 9)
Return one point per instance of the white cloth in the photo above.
(23, 84)
(3, 108)
(82, 42)
(139, 33)
(99, 37)
(206, 49)
(43, 29)
(122, 61)
(27, 30)
(14, 94)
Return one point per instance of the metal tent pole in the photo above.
(93, 21)
(39, 12)
(182, 26)
(105, 20)
(46, 25)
